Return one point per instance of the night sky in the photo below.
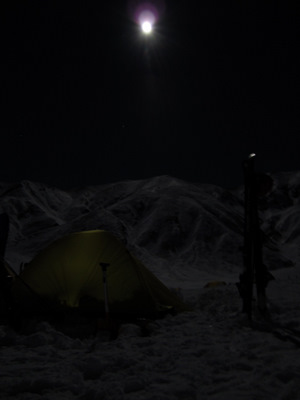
(87, 99)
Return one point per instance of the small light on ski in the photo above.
(252, 155)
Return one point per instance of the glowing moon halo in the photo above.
(146, 13)
(146, 19)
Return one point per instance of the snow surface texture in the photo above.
(187, 234)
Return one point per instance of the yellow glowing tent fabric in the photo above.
(68, 272)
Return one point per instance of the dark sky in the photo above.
(87, 99)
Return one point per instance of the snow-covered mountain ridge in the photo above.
(163, 220)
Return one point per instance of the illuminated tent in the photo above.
(68, 274)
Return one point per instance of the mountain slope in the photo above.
(163, 220)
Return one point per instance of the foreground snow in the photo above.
(205, 354)
(208, 353)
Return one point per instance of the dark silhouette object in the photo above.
(5, 278)
(255, 271)
(4, 226)
(9, 312)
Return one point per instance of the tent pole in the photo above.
(104, 267)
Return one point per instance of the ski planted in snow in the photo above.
(255, 272)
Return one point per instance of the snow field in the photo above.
(187, 235)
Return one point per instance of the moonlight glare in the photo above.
(146, 27)
(146, 20)
(146, 13)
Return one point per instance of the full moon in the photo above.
(146, 27)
